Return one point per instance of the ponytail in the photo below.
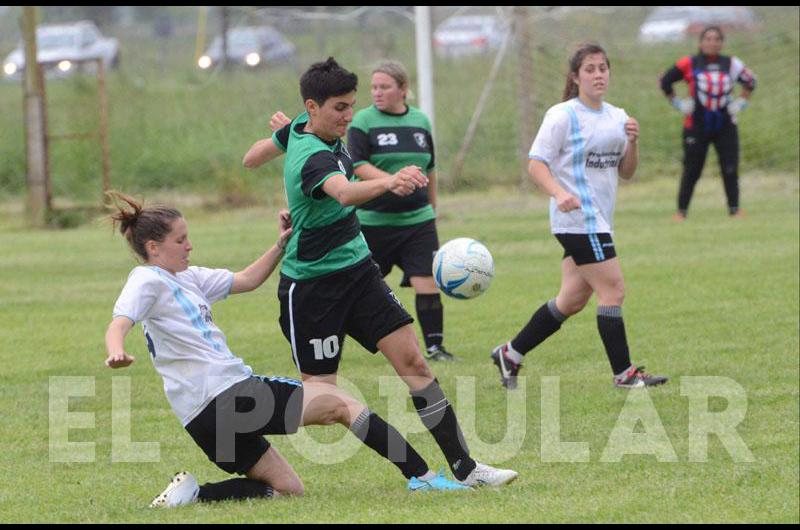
(139, 224)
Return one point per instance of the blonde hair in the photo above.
(396, 71)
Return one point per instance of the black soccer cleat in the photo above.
(438, 353)
(508, 368)
(636, 377)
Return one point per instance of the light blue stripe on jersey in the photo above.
(190, 309)
(579, 172)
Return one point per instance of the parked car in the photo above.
(63, 48)
(468, 35)
(729, 18)
(252, 47)
(676, 23)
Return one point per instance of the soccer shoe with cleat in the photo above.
(484, 475)
(508, 368)
(438, 353)
(183, 489)
(438, 483)
(636, 377)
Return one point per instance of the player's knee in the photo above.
(572, 303)
(612, 295)
(617, 295)
(338, 412)
(342, 413)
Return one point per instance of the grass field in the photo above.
(711, 297)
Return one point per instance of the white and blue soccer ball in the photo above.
(463, 268)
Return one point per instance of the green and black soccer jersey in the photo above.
(327, 236)
(390, 142)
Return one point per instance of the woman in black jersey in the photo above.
(711, 113)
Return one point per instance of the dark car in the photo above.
(251, 47)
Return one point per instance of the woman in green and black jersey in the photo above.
(382, 139)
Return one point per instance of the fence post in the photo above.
(38, 201)
(525, 129)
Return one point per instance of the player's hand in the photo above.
(407, 180)
(278, 121)
(632, 130)
(566, 202)
(736, 106)
(119, 360)
(284, 228)
(685, 105)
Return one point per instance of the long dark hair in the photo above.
(139, 224)
(575, 62)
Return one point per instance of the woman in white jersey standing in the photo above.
(582, 146)
(223, 406)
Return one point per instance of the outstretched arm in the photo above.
(115, 343)
(260, 153)
(265, 150)
(402, 183)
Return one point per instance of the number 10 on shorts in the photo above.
(325, 348)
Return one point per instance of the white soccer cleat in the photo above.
(484, 475)
(183, 489)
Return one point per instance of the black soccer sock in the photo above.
(390, 444)
(440, 419)
(612, 331)
(431, 318)
(235, 488)
(544, 322)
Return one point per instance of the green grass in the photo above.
(711, 297)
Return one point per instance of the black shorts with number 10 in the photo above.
(317, 314)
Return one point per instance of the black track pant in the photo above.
(695, 148)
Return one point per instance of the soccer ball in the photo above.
(463, 268)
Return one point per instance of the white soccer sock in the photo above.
(619, 376)
(427, 477)
(513, 354)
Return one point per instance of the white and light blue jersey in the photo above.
(188, 350)
(583, 148)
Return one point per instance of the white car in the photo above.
(676, 23)
(468, 35)
(62, 48)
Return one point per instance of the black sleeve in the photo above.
(318, 166)
(358, 145)
(432, 164)
(747, 79)
(670, 77)
(282, 135)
